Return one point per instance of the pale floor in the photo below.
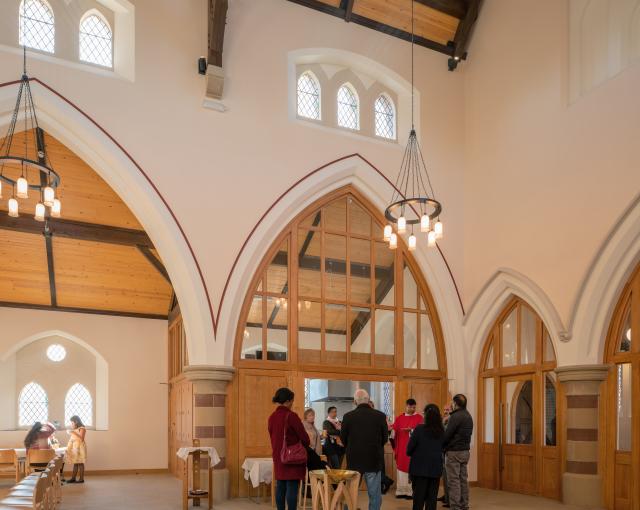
(162, 492)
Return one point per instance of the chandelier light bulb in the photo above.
(438, 229)
(49, 195)
(425, 223)
(431, 238)
(387, 232)
(393, 241)
(22, 188)
(55, 208)
(402, 225)
(13, 207)
(412, 242)
(39, 216)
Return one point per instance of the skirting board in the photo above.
(116, 472)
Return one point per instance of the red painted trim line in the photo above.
(144, 174)
(246, 241)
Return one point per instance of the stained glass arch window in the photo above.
(96, 40)
(36, 25)
(348, 107)
(385, 117)
(33, 405)
(308, 96)
(78, 402)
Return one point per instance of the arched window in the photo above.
(385, 117)
(308, 96)
(79, 402)
(348, 107)
(351, 305)
(96, 41)
(36, 25)
(33, 405)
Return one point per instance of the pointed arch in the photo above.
(495, 295)
(385, 117)
(84, 136)
(36, 25)
(95, 39)
(78, 402)
(348, 107)
(33, 405)
(309, 96)
(327, 284)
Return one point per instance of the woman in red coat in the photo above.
(288, 476)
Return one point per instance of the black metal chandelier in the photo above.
(413, 201)
(24, 164)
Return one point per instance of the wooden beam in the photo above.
(217, 22)
(465, 28)
(455, 8)
(52, 274)
(375, 25)
(91, 311)
(155, 262)
(347, 5)
(78, 230)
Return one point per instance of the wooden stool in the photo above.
(195, 493)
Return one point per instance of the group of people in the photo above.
(427, 447)
(40, 437)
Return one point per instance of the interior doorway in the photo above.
(519, 449)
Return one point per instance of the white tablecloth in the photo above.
(21, 453)
(258, 470)
(183, 453)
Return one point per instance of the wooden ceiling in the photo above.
(96, 258)
(440, 25)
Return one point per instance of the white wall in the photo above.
(136, 353)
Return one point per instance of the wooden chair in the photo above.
(9, 463)
(37, 460)
(28, 498)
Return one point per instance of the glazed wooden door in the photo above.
(518, 417)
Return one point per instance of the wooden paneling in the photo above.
(23, 274)
(256, 389)
(108, 277)
(429, 23)
(84, 194)
(180, 421)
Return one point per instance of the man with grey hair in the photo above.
(364, 434)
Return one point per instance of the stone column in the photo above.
(581, 481)
(209, 418)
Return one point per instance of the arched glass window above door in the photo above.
(331, 292)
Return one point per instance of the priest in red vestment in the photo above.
(402, 427)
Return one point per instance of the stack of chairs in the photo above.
(40, 490)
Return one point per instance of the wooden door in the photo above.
(256, 389)
(426, 392)
(519, 417)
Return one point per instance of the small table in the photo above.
(196, 494)
(333, 491)
(258, 470)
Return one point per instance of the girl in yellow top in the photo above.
(77, 449)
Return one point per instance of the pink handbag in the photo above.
(295, 454)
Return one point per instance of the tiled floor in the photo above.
(162, 492)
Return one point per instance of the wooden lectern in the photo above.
(199, 460)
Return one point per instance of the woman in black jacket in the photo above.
(425, 466)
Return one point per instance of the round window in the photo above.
(55, 352)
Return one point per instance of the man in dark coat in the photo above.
(457, 443)
(364, 434)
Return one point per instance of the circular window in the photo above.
(56, 352)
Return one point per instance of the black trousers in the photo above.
(425, 492)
